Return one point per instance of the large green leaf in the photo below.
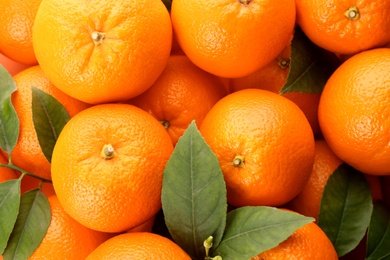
(310, 66)
(9, 121)
(378, 237)
(30, 227)
(252, 230)
(194, 194)
(9, 209)
(49, 117)
(346, 208)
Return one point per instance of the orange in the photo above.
(12, 66)
(137, 246)
(233, 38)
(264, 144)
(16, 23)
(102, 51)
(29, 183)
(273, 77)
(181, 94)
(345, 27)
(66, 238)
(27, 153)
(6, 173)
(353, 113)
(308, 201)
(306, 243)
(107, 166)
(147, 226)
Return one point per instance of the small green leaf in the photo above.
(9, 209)
(346, 208)
(310, 66)
(252, 230)
(49, 117)
(31, 225)
(378, 237)
(9, 121)
(194, 194)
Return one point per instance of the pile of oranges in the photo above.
(132, 75)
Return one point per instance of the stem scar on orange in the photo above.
(102, 51)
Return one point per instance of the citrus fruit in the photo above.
(102, 51)
(306, 243)
(353, 113)
(27, 153)
(30, 183)
(16, 23)
(232, 38)
(138, 245)
(6, 173)
(273, 77)
(12, 66)
(107, 166)
(264, 144)
(66, 238)
(345, 27)
(181, 94)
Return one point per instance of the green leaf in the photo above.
(252, 230)
(310, 66)
(194, 194)
(49, 117)
(378, 237)
(9, 121)
(9, 209)
(346, 208)
(31, 225)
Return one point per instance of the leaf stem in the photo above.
(24, 172)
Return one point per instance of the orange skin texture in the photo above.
(275, 139)
(306, 243)
(16, 23)
(139, 245)
(66, 238)
(27, 153)
(272, 77)
(131, 56)
(6, 173)
(117, 194)
(181, 94)
(231, 39)
(354, 115)
(326, 25)
(13, 67)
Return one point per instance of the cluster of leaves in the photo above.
(195, 211)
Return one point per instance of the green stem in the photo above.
(13, 167)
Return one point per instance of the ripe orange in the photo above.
(107, 166)
(181, 94)
(102, 51)
(29, 183)
(272, 77)
(345, 27)
(66, 238)
(27, 153)
(6, 173)
(306, 243)
(16, 23)
(264, 145)
(147, 226)
(232, 38)
(139, 245)
(12, 66)
(353, 113)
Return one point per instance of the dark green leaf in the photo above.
(346, 208)
(9, 209)
(9, 121)
(252, 230)
(310, 66)
(194, 194)
(49, 117)
(378, 237)
(31, 225)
